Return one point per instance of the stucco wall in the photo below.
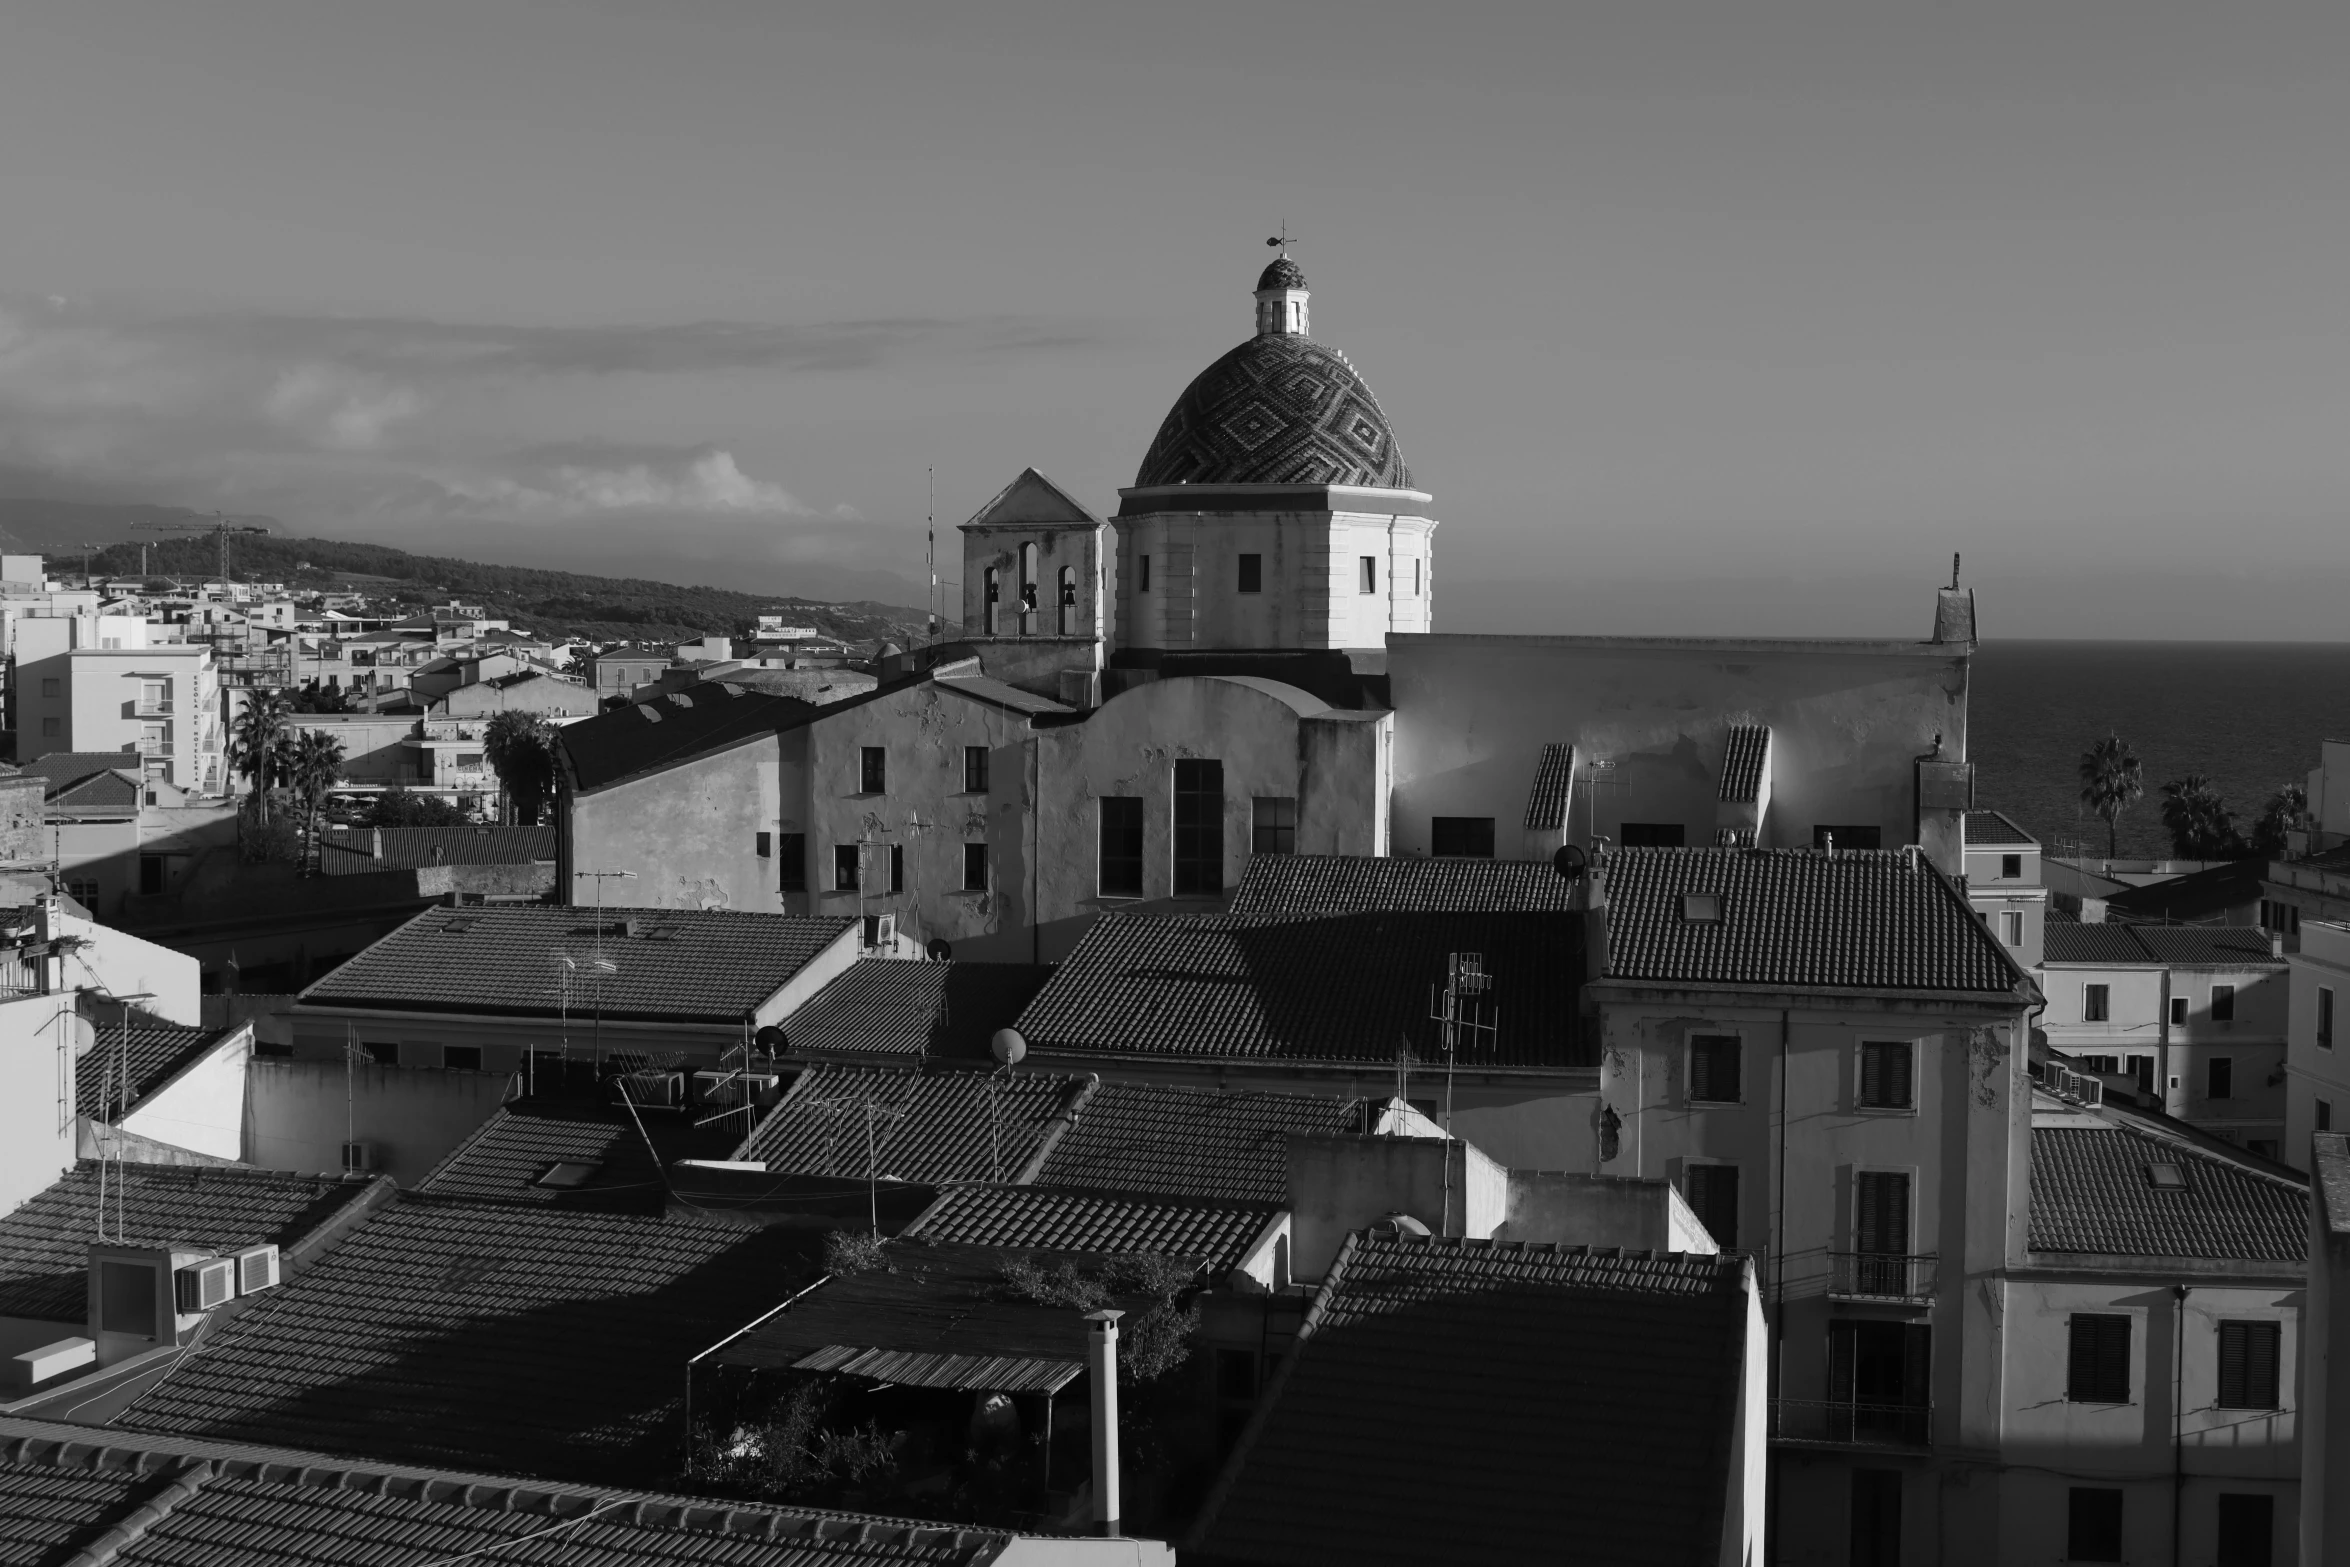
(202, 1109)
(38, 1038)
(1847, 723)
(1338, 1185)
(1567, 1209)
(688, 836)
(1310, 595)
(301, 1112)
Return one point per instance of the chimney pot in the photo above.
(1101, 1364)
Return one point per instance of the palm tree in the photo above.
(2200, 824)
(2111, 780)
(2287, 810)
(255, 744)
(520, 748)
(311, 762)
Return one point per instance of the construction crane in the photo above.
(219, 528)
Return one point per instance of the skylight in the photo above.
(570, 1172)
(1701, 908)
(2166, 1177)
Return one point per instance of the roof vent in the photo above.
(2166, 1177)
(459, 927)
(1701, 908)
(567, 1173)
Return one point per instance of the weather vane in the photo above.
(1281, 239)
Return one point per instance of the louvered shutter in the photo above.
(1872, 1074)
(2248, 1365)
(1896, 1072)
(1883, 1220)
(2099, 1372)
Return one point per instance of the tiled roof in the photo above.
(146, 1055)
(2210, 893)
(64, 768)
(1554, 777)
(110, 792)
(697, 965)
(206, 1505)
(2091, 1193)
(1494, 1402)
(1994, 829)
(529, 1340)
(1742, 762)
(888, 1008)
(1354, 883)
(1001, 694)
(1198, 1142)
(1861, 920)
(45, 1243)
(950, 1124)
(1325, 987)
(1278, 409)
(1068, 1218)
(939, 1299)
(505, 1159)
(351, 853)
(2227, 946)
(648, 736)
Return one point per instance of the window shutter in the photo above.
(1840, 1361)
(1872, 1075)
(1917, 1364)
(1883, 1227)
(2248, 1365)
(2099, 1370)
(1896, 1069)
(2232, 1339)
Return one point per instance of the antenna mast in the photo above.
(1464, 977)
(930, 553)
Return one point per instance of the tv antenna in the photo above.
(869, 1110)
(930, 553)
(1460, 1011)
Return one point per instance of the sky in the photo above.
(1716, 317)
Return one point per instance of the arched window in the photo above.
(1028, 587)
(995, 593)
(1068, 600)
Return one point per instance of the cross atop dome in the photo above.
(1281, 294)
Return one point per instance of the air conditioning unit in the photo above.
(654, 1088)
(358, 1158)
(201, 1286)
(885, 931)
(258, 1268)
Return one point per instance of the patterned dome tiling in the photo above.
(1279, 409)
(1281, 273)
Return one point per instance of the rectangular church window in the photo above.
(1252, 573)
(1199, 825)
(1369, 574)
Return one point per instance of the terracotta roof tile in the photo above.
(697, 965)
(2091, 1193)
(352, 853)
(889, 1009)
(1198, 1142)
(949, 1124)
(1554, 777)
(148, 1055)
(1994, 829)
(1077, 1219)
(1550, 1394)
(1356, 883)
(514, 1149)
(649, 736)
(1742, 762)
(2178, 946)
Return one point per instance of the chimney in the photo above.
(1101, 1361)
(1590, 900)
(375, 844)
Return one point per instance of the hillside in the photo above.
(550, 602)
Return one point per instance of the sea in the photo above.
(2249, 715)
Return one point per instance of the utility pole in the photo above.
(1459, 1013)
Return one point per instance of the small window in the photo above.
(791, 865)
(461, 1058)
(2178, 1011)
(569, 1174)
(1712, 1190)
(1461, 837)
(1885, 1073)
(2219, 1078)
(2325, 1115)
(897, 867)
(2098, 1366)
(2011, 927)
(1651, 835)
(2096, 1003)
(1367, 577)
(2011, 867)
(1199, 826)
(51, 686)
(2093, 1523)
(2325, 1017)
(1121, 847)
(1143, 575)
(2248, 1364)
(1415, 578)
(1274, 828)
(2223, 1003)
(975, 769)
(385, 1051)
(51, 728)
(873, 770)
(1701, 908)
(1846, 835)
(2247, 1529)
(1252, 573)
(1713, 1068)
(975, 867)
(845, 863)
(766, 842)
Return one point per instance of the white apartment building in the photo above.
(99, 683)
(2003, 884)
(2317, 1078)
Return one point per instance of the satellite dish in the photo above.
(1008, 1047)
(771, 1040)
(940, 949)
(1570, 862)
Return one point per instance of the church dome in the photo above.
(1281, 273)
(1279, 409)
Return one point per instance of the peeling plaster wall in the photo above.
(688, 835)
(1473, 713)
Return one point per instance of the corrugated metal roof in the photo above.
(961, 1373)
(1554, 777)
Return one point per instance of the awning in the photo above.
(965, 1373)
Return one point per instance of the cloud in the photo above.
(338, 409)
(704, 481)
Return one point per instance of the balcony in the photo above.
(161, 708)
(1851, 1423)
(1880, 1276)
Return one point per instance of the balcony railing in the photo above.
(1871, 1275)
(1855, 1423)
(156, 709)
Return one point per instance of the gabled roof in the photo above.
(1308, 987)
(65, 1490)
(996, 693)
(646, 737)
(145, 1056)
(1352, 883)
(1032, 500)
(63, 769)
(2171, 946)
(1080, 1219)
(886, 1008)
(949, 1124)
(674, 965)
(1494, 1402)
(1996, 829)
(115, 792)
(1554, 778)
(508, 1158)
(492, 1335)
(351, 852)
(45, 1242)
(1860, 920)
(1749, 746)
(1199, 1142)
(2091, 1193)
